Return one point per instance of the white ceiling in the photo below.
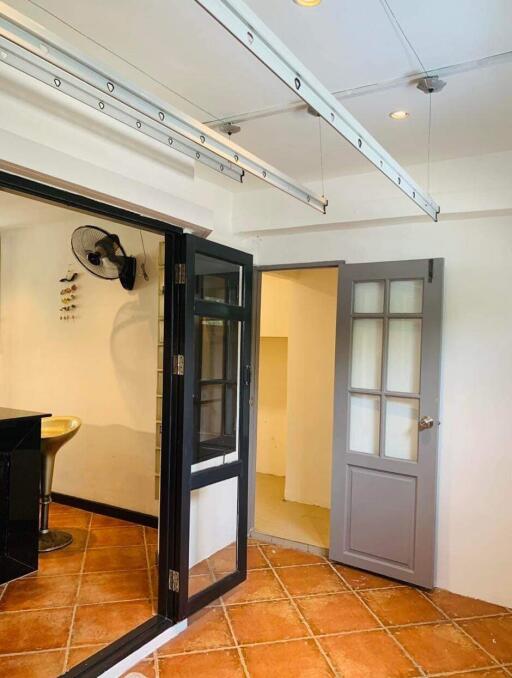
(346, 44)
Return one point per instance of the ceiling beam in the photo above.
(34, 51)
(247, 27)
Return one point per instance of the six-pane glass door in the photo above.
(385, 368)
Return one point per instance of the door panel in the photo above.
(388, 345)
(216, 344)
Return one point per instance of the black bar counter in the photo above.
(20, 468)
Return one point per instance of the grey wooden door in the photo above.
(388, 343)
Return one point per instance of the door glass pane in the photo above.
(369, 297)
(213, 534)
(217, 280)
(401, 439)
(366, 353)
(406, 296)
(404, 355)
(216, 388)
(364, 423)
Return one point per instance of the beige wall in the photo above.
(301, 305)
(272, 406)
(310, 386)
(100, 367)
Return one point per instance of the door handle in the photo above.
(425, 423)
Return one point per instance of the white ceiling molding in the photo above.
(31, 49)
(250, 31)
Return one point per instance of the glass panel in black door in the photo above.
(216, 398)
(217, 280)
(216, 348)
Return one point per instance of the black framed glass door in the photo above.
(214, 361)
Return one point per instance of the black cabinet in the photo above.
(20, 459)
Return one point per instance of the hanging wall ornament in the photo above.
(67, 294)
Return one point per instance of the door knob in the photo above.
(425, 422)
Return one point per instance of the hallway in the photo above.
(291, 520)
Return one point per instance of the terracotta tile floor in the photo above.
(81, 598)
(298, 615)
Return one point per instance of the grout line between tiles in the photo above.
(228, 622)
(68, 607)
(301, 616)
(463, 672)
(148, 569)
(73, 615)
(381, 625)
(461, 629)
(156, 665)
(30, 577)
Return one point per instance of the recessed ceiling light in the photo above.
(399, 115)
(307, 3)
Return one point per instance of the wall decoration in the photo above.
(67, 303)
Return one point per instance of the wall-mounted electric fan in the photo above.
(102, 254)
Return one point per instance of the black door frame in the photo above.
(172, 410)
(188, 481)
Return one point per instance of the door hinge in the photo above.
(180, 274)
(430, 270)
(178, 365)
(174, 581)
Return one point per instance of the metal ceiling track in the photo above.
(248, 28)
(29, 48)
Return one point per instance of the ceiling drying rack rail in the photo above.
(250, 31)
(31, 49)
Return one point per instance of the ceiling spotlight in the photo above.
(399, 115)
(307, 3)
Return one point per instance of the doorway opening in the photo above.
(297, 336)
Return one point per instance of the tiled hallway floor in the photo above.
(298, 615)
(82, 597)
(291, 520)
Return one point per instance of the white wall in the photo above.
(475, 513)
(101, 367)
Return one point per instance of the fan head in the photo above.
(102, 254)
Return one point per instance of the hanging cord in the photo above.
(321, 155)
(143, 264)
(428, 138)
(126, 61)
(393, 19)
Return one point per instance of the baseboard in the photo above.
(106, 509)
(288, 543)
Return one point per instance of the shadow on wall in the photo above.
(133, 319)
(110, 464)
